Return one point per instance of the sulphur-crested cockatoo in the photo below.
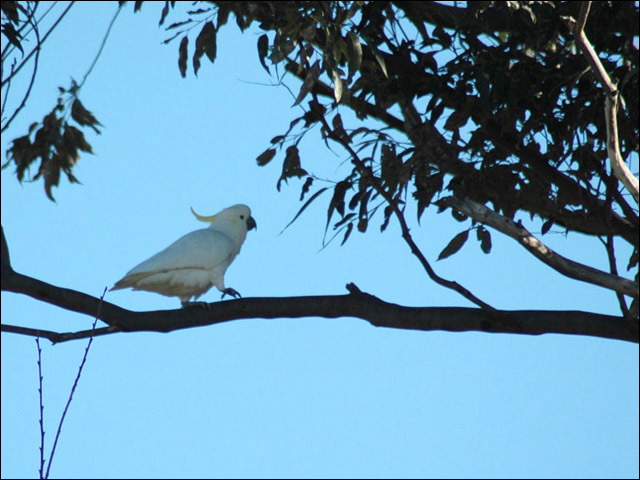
(196, 262)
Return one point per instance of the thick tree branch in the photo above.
(618, 165)
(559, 263)
(355, 304)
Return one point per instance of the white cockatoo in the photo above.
(196, 262)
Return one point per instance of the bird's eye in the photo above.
(242, 217)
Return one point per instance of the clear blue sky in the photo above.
(277, 398)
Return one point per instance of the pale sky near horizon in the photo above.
(282, 398)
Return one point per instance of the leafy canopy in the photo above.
(491, 103)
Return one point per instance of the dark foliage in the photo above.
(491, 102)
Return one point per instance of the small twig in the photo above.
(613, 268)
(577, 27)
(41, 469)
(56, 337)
(104, 42)
(28, 57)
(24, 30)
(31, 82)
(5, 94)
(585, 8)
(75, 385)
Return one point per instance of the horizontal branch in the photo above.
(56, 337)
(567, 267)
(355, 304)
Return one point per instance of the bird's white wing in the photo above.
(187, 267)
(193, 264)
(206, 249)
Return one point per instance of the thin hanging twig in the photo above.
(41, 469)
(73, 388)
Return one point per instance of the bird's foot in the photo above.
(230, 291)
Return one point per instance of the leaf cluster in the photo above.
(14, 15)
(54, 141)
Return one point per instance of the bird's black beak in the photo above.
(251, 223)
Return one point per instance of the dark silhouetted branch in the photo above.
(355, 304)
(559, 263)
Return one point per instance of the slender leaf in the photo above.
(205, 44)
(347, 233)
(165, 12)
(454, 245)
(306, 204)
(309, 82)
(354, 54)
(266, 156)
(337, 86)
(381, 62)
(182, 56)
(546, 226)
(179, 24)
(263, 51)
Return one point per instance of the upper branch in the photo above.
(618, 165)
(611, 255)
(563, 265)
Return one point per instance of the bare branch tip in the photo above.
(353, 289)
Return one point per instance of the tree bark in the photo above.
(354, 304)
